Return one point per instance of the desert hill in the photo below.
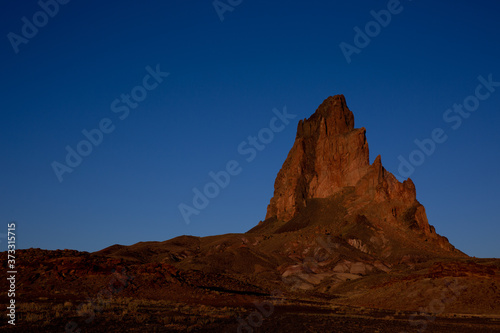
(341, 237)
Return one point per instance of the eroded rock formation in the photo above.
(329, 156)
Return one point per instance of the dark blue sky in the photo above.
(225, 78)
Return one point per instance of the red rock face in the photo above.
(328, 155)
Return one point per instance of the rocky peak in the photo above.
(330, 158)
(328, 154)
(332, 117)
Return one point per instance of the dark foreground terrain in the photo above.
(313, 315)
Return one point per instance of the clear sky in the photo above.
(101, 66)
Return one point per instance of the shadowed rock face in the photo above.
(329, 156)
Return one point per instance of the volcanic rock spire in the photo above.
(328, 154)
(330, 158)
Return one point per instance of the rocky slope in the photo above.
(338, 231)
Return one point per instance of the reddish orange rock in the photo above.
(329, 156)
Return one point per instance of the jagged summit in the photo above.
(338, 118)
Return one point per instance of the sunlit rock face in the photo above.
(330, 155)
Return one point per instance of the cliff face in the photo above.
(330, 156)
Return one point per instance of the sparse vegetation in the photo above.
(129, 311)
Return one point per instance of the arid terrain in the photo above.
(345, 247)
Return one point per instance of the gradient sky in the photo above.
(225, 78)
